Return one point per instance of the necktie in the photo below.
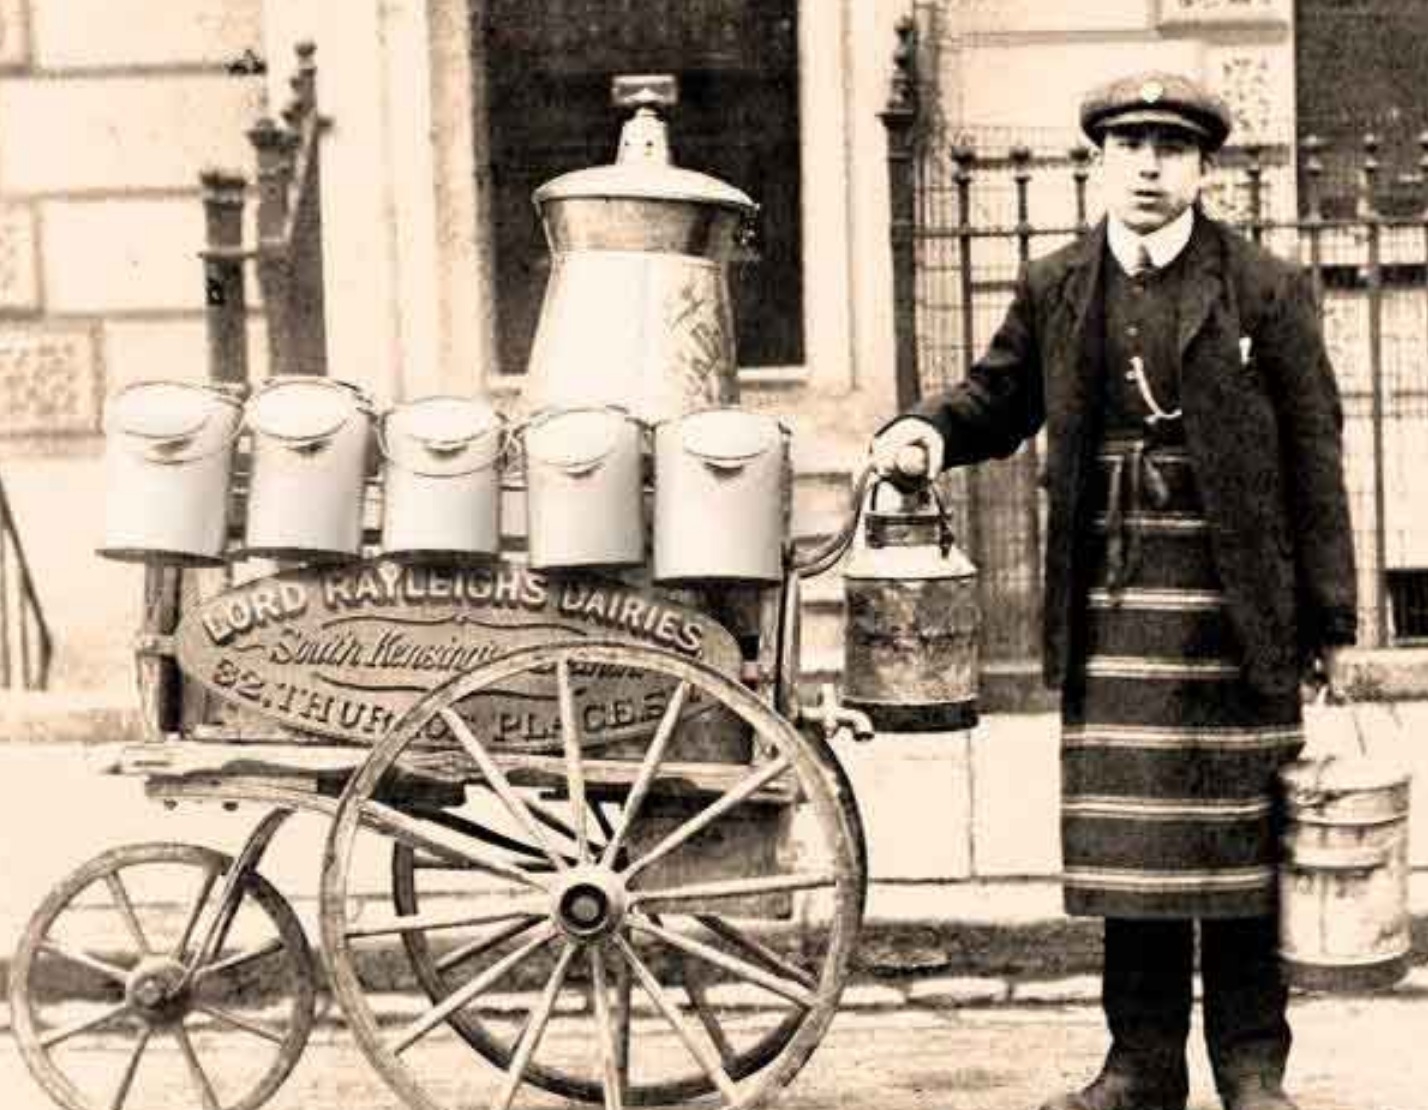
(1144, 265)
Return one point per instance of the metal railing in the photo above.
(966, 218)
(26, 646)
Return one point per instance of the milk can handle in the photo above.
(944, 518)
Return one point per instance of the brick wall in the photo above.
(108, 110)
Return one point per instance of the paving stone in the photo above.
(872, 996)
(1077, 988)
(958, 990)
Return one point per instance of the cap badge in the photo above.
(1152, 91)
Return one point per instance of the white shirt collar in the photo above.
(1164, 243)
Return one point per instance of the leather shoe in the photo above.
(1257, 1094)
(1116, 1091)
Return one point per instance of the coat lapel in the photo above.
(1203, 284)
(1084, 340)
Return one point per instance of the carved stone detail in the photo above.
(14, 40)
(49, 380)
(1180, 13)
(19, 263)
(1247, 81)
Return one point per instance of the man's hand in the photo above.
(907, 450)
(1328, 673)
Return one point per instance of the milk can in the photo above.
(441, 488)
(168, 459)
(1344, 917)
(910, 641)
(720, 497)
(311, 442)
(585, 489)
(637, 311)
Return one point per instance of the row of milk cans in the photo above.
(719, 503)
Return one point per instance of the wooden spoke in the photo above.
(500, 784)
(195, 1069)
(237, 960)
(705, 1013)
(237, 1021)
(614, 1077)
(670, 897)
(181, 946)
(574, 771)
(742, 969)
(83, 1025)
(607, 830)
(484, 944)
(756, 950)
(552, 820)
(749, 786)
(126, 1081)
(670, 1011)
(84, 959)
(468, 991)
(529, 853)
(440, 840)
(382, 925)
(535, 1028)
(649, 767)
(126, 909)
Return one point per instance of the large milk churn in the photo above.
(441, 487)
(637, 312)
(311, 449)
(167, 459)
(1344, 916)
(910, 644)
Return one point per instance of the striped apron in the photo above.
(1168, 755)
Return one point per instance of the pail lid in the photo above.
(1343, 774)
(441, 435)
(576, 440)
(162, 410)
(303, 409)
(727, 438)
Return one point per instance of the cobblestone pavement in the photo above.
(1353, 1054)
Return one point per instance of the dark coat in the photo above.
(1264, 435)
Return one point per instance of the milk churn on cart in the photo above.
(910, 641)
(637, 311)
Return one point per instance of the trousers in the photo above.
(1147, 995)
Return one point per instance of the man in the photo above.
(1198, 561)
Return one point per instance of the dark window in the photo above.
(1408, 596)
(1360, 68)
(549, 65)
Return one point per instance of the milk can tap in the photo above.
(910, 641)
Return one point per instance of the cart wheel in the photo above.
(109, 954)
(546, 919)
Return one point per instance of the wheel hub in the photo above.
(589, 903)
(156, 989)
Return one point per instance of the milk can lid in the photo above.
(443, 423)
(1345, 773)
(728, 435)
(161, 410)
(578, 438)
(303, 408)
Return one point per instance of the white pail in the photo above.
(585, 489)
(1344, 914)
(311, 448)
(442, 486)
(168, 458)
(720, 497)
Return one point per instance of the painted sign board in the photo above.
(345, 650)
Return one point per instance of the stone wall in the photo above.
(108, 111)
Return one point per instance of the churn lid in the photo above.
(731, 436)
(162, 410)
(575, 440)
(642, 171)
(304, 408)
(455, 429)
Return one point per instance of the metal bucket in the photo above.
(168, 458)
(441, 489)
(1344, 918)
(720, 497)
(585, 489)
(311, 448)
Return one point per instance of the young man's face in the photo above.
(1150, 174)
